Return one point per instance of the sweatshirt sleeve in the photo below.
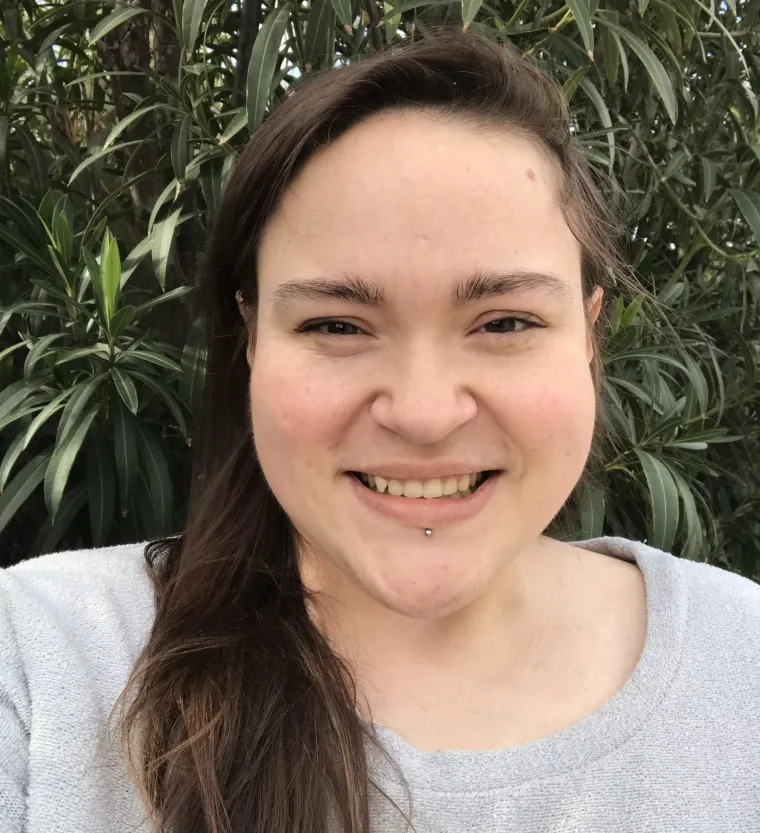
(15, 714)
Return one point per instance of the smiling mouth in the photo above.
(445, 488)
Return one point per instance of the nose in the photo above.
(424, 397)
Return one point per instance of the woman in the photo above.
(364, 622)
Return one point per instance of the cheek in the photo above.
(292, 406)
(553, 417)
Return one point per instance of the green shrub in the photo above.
(128, 117)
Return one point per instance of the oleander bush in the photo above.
(120, 123)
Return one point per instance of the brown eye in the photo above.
(509, 324)
(333, 327)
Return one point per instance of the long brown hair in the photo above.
(243, 718)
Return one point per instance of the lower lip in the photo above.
(426, 512)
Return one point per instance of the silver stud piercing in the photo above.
(428, 532)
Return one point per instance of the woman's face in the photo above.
(421, 320)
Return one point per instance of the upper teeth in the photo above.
(437, 487)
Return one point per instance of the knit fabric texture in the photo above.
(676, 750)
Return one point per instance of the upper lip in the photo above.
(421, 471)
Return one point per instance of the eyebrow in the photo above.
(477, 287)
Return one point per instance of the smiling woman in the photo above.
(365, 620)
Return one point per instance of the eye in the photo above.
(330, 327)
(508, 324)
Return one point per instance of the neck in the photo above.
(498, 636)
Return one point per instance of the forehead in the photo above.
(405, 195)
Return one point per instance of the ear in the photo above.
(245, 314)
(593, 308)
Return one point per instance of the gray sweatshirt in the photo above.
(676, 749)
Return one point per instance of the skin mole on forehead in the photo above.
(531, 174)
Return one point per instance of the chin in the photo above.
(427, 592)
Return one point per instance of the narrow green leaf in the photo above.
(101, 487)
(470, 9)
(126, 388)
(31, 308)
(653, 66)
(125, 452)
(8, 352)
(134, 258)
(692, 521)
(573, 82)
(128, 121)
(15, 449)
(698, 382)
(165, 297)
(179, 148)
(171, 190)
(15, 394)
(319, 28)
(264, 58)
(93, 270)
(65, 453)
(19, 244)
(110, 272)
(138, 356)
(99, 350)
(23, 217)
(98, 155)
(749, 205)
(343, 11)
(645, 353)
(40, 350)
(80, 396)
(159, 481)
(51, 532)
(192, 16)
(237, 123)
(623, 61)
(610, 53)
(664, 504)
(163, 393)
(592, 512)
(122, 318)
(604, 114)
(44, 415)
(709, 177)
(34, 158)
(21, 487)
(193, 363)
(582, 14)
(639, 391)
(162, 237)
(391, 21)
(111, 21)
(30, 407)
(63, 230)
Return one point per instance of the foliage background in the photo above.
(120, 123)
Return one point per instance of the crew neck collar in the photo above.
(586, 740)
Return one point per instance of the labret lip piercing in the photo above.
(428, 532)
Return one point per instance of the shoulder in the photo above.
(723, 610)
(79, 596)
(705, 584)
(718, 610)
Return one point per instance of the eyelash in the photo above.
(312, 326)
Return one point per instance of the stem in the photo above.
(536, 46)
(686, 210)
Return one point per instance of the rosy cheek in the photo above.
(555, 416)
(291, 407)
